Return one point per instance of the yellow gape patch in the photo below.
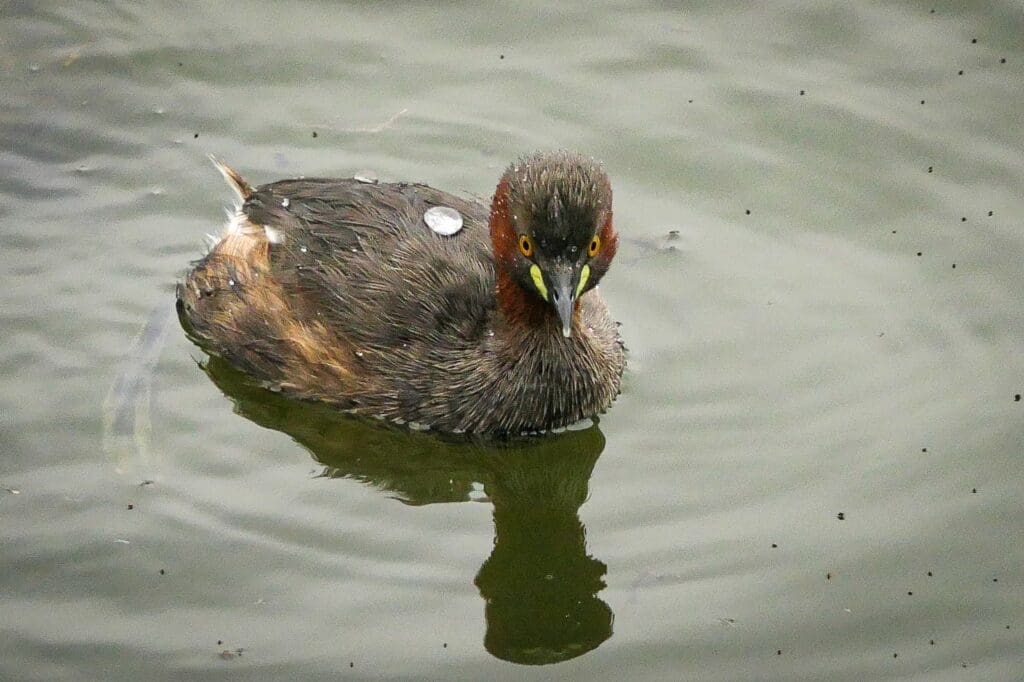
(538, 281)
(584, 276)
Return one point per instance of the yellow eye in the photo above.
(595, 246)
(525, 245)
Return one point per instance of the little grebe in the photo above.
(339, 291)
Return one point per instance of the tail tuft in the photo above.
(242, 188)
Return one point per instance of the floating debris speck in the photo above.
(443, 220)
(285, 202)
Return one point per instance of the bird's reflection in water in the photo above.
(539, 584)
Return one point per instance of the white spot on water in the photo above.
(231, 282)
(367, 176)
(285, 202)
(477, 492)
(303, 249)
(443, 220)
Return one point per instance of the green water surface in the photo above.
(814, 471)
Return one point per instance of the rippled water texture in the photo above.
(814, 471)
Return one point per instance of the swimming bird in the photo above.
(406, 303)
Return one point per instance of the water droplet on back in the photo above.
(443, 220)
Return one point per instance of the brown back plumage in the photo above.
(336, 290)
